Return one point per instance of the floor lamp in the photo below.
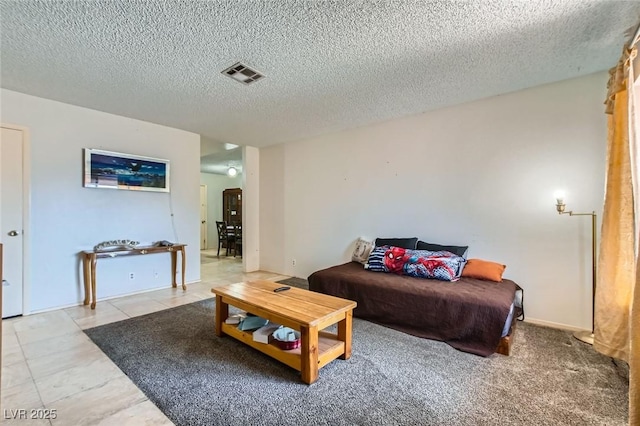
(584, 336)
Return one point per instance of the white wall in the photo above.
(215, 185)
(67, 218)
(481, 174)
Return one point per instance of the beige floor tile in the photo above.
(76, 379)
(10, 341)
(167, 292)
(203, 294)
(44, 333)
(47, 365)
(85, 311)
(12, 355)
(15, 374)
(177, 301)
(131, 300)
(96, 404)
(258, 275)
(141, 308)
(142, 414)
(101, 319)
(43, 320)
(76, 341)
(8, 326)
(24, 396)
(23, 418)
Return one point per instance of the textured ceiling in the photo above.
(328, 65)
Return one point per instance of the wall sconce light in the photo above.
(232, 171)
(583, 336)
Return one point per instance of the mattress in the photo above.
(471, 315)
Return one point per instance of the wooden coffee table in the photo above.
(302, 310)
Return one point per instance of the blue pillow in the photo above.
(458, 250)
(408, 243)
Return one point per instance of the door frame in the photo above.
(26, 209)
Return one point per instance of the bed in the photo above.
(472, 315)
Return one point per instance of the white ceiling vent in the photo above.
(242, 73)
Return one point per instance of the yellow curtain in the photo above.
(634, 323)
(617, 306)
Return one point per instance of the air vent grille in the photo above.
(242, 73)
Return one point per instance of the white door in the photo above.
(203, 217)
(11, 190)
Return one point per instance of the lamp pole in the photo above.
(586, 336)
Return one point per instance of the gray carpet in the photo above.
(196, 378)
(296, 282)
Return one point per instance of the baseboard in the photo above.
(554, 324)
(81, 303)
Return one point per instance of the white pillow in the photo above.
(362, 251)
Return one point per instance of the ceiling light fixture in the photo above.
(242, 73)
(232, 171)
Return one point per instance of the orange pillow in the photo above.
(483, 270)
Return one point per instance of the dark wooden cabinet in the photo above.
(232, 206)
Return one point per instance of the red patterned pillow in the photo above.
(439, 265)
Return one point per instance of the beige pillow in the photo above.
(362, 251)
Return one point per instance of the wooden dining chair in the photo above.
(234, 239)
(222, 236)
(237, 240)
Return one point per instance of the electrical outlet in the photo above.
(131, 276)
(293, 262)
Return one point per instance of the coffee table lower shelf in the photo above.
(303, 310)
(329, 347)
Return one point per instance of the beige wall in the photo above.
(272, 209)
(481, 174)
(250, 209)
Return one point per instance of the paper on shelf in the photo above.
(252, 323)
(235, 318)
(264, 334)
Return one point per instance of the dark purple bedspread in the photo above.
(468, 314)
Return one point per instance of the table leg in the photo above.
(93, 281)
(309, 354)
(86, 273)
(174, 262)
(184, 267)
(222, 312)
(344, 334)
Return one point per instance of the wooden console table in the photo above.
(90, 257)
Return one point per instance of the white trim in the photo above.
(554, 324)
(119, 296)
(26, 210)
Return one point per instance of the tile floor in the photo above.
(48, 363)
